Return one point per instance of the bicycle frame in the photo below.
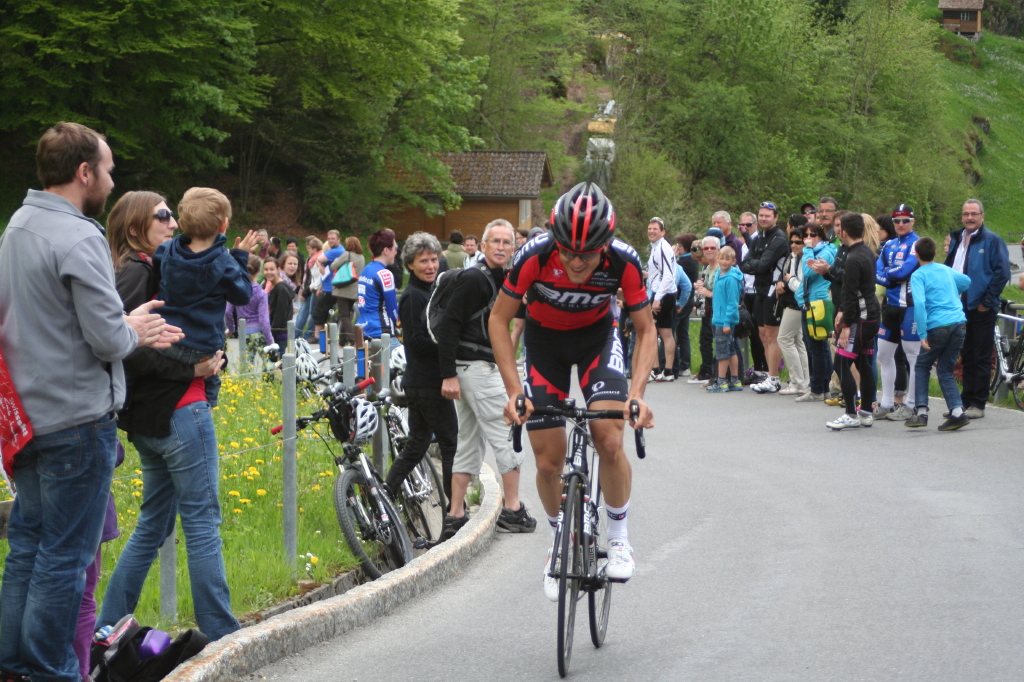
(579, 464)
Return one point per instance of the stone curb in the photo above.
(256, 647)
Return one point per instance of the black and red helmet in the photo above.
(583, 219)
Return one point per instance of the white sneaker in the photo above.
(696, 380)
(810, 398)
(685, 373)
(900, 413)
(847, 421)
(865, 418)
(655, 375)
(550, 584)
(792, 390)
(620, 564)
(769, 385)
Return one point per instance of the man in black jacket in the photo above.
(470, 377)
(766, 263)
(429, 413)
(857, 325)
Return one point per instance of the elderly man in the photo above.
(63, 334)
(723, 221)
(826, 216)
(982, 255)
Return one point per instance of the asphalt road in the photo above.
(767, 547)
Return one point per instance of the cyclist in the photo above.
(570, 277)
(378, 302)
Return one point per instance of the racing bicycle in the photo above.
(580, 547)
(1009, 364)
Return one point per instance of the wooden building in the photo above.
(492, 184)
(962, 17)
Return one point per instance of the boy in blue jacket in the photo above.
(198, 277)
(939, 312)
(725, 316)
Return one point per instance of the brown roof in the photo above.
(489, 173)
(961, 4)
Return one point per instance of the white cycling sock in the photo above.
(553, 523)
(887, 368)
(617, 521)
(912, 349)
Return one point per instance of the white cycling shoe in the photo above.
(620, 565)
(550, 584)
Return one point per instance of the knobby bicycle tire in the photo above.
(571, 563)
(599, 600)
(1017, 367)
(378, 550)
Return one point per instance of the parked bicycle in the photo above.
(369, 518)
(580, 547)
(1009, 364)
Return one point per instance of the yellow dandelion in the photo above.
(260, 461)
(234, 493)
(138, 471)
(301, 510)
(136, 482)
(261, 492)
(316, 487)
(313, 560)
(244, 501)
(237, 511)
(234, 444)
(137, 494)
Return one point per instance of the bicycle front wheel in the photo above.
(1017, 366)
(600, 599)
(570, 570)
(375, 534)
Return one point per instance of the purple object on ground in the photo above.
(153, 643)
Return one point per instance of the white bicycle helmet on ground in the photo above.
(398, 359)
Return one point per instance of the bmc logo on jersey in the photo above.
(571, 299)
(387, 279)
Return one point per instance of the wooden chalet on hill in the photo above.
(492, 184)
(962, 17)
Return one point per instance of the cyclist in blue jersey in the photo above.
(378, 301)
(896, 262)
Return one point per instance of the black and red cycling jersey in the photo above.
(554, 302)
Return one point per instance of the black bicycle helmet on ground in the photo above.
(583, 219)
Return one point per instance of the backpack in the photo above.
(474, 334)
(121, 662)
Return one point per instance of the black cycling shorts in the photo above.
(663, 320)
(766, 313)
(322, 306)
(597, 353)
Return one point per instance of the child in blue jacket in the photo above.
(725, 317)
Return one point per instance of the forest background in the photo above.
(298, 108)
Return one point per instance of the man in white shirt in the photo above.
(661, 287)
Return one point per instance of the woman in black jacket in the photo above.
(429, 412)
(169, 421)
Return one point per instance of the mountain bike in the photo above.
(369, 518)
(1009, 364)
(580, 548)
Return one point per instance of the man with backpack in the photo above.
(457, 317)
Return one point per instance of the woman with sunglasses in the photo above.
(791, 338)
(815, 289)
(138, 223)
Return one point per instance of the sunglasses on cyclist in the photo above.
(902, 221)
(164, 215)
(585, 257)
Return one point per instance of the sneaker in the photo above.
(620, 564)
(517, 521)
(769, 385)
(916, 420)
(954, 423)
(685, 373)
(865, 418)
(736, 385)
(792, 390)
(975, 412)
(666, 377)
(717, 387)
(900, 413)
(835, 401)
(698, 379)
(809, 398)
(846, 421)
(655, 375)
(550, 583)
(881, 412)
(452, 524)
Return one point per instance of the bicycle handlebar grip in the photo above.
(366, 382)
(277, 429)
(638, 434)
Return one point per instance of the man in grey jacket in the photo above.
(63, 334)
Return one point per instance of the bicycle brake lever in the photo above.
(638, 434)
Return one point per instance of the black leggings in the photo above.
(429, 413)
(867, 382)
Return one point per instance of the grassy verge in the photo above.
(251, 496)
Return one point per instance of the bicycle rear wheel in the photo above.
(570, 569)
(1017, 367)
(375, 534)
(424, 500)
(599, 600)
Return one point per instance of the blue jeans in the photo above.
(819, 361)
(182, 467)
(302, 317)
(63, 480)
(945, 344)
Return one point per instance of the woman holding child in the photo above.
(167, 417)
